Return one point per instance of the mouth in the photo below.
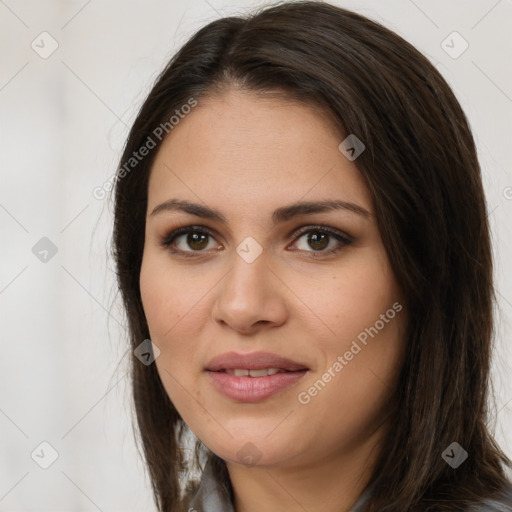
(253, 377)
(253, 361)
(244, 372)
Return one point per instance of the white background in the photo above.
(64, 120)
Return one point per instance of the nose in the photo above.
(250, 297)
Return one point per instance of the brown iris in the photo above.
(315, 243)
(197, 241)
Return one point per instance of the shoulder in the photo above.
(501, 503)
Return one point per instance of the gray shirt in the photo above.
(209, 499)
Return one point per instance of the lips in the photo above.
(252, 361)
(253, 377)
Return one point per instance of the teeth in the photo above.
(258, 373)
(241, 372)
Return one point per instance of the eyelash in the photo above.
(167, 240)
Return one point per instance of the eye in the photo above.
(319, 239)
(193, 237)
(190, 241)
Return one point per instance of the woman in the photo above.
(301, 232)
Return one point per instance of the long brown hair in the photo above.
(421, 168)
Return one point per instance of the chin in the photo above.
(247, 453)
(257, 450)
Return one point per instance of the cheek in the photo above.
(175, 309)
(166, 296)
(349, 397)
(155, 295)
(361, 307)
(168, 309)
(351, 298)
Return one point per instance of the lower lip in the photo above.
(253, 389)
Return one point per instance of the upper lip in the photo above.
(252, 361)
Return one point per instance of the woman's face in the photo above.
(256, 285)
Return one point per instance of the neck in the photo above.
(332, 484)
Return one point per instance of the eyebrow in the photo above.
(279, 215)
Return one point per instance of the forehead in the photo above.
(239, 146)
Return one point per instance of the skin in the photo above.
(246, 155)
